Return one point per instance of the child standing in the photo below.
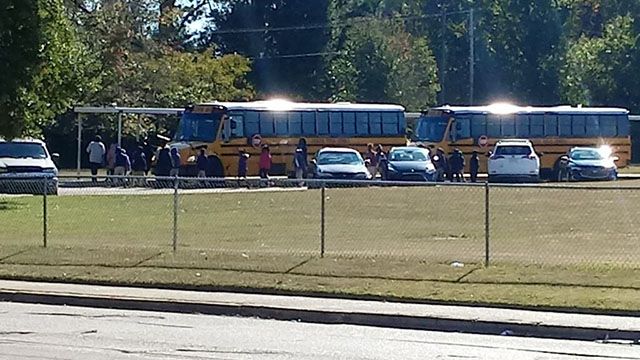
(474, 165)
(265, 162)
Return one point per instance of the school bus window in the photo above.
(308, 123)
(592, 126)
(493, 126)
(389, 123)
(478, 126)
(463, 127)
(522, 126)
(608, 126)
(237, 125)
(251, 123)
(349, 123)
(362, 123)
(623, 125)
(335, 123)
(550, 125)
(508, 125)
(266, 124)
(322, 123)
(281, 123)
(375, 123)
(578, 123)
(536, 125)
(295, 123)
(564, 125)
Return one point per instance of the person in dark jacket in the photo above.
(456, 165)
(474, 165)
(243, 165)
(123, 164)
(381, 158)
(441, 164)
(175, 163)
(202, 163)
(138, 165)
(149, 151)
(163, 166)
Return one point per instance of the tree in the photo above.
(20, 38)
(287, 60)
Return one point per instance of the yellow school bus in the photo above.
(552, 130)
(224, 128)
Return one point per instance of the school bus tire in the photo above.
(215, 169)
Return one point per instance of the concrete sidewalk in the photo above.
(466, 319)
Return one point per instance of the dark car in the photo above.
(585, 163)
(410, 164)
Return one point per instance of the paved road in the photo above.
(51, 332)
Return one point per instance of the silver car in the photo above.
(340, 164)
(27, 167)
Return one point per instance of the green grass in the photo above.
(548, 247)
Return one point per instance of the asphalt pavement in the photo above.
(30, 331)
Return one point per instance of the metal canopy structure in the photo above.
(82, 111)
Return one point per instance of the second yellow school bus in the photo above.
(223, 128)
(552, 130)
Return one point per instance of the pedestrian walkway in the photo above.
(468, 319)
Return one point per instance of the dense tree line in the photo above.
(58, 53)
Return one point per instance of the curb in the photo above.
(427, 323)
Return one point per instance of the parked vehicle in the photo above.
(339, 164)
(24, 166)
(514, 160)
(586, 163)
(410, 164)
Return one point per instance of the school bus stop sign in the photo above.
(483, 141)
(256, 140)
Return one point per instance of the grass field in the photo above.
(548, 247)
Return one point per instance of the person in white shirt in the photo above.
(96, 152)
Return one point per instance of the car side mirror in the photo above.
(314, 162)
(367, 162)
(540, 154)
(490, 154)
(55, 156)
(564, 158)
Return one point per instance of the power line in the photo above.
(335, 24)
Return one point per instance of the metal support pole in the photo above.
(443, 55)
(472, 56)
(139, 132)
(486, 224)
(120, 129)
(79, 139)
(176, 185)
(322, 220)
(44, 211)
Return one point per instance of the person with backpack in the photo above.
(300, 164)
(163, 165)
(474, 165)
(456, 165)
(202, 163)
(139, 165)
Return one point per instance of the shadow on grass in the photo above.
(6, 205)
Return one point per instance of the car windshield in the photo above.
(408, 155)
(513, 150)
(198, 127)
(22, 151)
(339, 158)
(431, 128)
(586, 154)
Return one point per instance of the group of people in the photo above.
(451, 167)
(118, 162)
(300, 163)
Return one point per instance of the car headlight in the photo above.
(50, 171)
(390, 167)
(361, 175)
(3, 170)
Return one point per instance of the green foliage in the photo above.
(20, 40)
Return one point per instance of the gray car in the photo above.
(586, 163)
(26, 167)
(340, 164)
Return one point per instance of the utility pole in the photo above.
(472, 57)
(443, 55)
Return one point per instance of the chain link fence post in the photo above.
(487, 225)
(176, 185)
(322, 220)
(44, 211)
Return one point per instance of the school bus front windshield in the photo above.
(198, 127)
(431, 128)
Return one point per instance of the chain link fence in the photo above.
(278, 222)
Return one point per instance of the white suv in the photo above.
(26, 167)
(514, 160)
